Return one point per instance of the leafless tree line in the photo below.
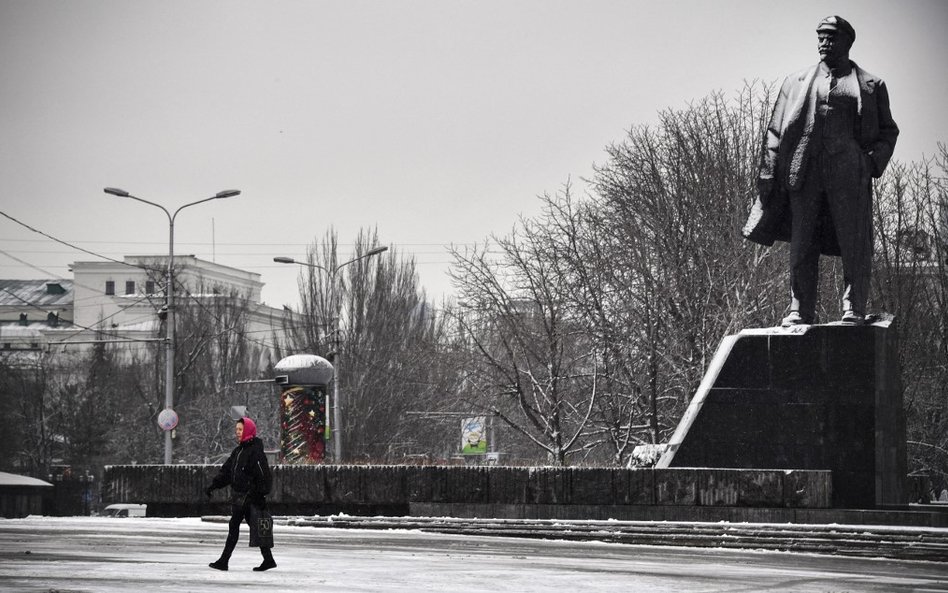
(910, 281)
(622, 295)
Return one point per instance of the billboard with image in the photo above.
(474, 435)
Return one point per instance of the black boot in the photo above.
(268, 561)
(220, 564)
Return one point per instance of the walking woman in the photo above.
(248, 475)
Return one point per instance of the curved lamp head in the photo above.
(376, 251)
(116, 192)
(228, 193)
(284, 260)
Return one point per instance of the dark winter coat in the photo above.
(787, 147)
(246, 471)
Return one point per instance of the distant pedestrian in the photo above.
(247, 473)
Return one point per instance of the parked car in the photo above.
(125, 510)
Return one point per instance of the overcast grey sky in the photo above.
(436, 121)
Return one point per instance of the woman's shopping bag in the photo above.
(261, 527)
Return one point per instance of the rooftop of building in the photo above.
(158, 262)
(44, 294)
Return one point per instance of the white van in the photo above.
(125, 510)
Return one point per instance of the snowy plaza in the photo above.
(110, 555)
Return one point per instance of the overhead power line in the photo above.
(48, 236)
(242, 243)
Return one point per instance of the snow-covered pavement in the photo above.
(146, 555)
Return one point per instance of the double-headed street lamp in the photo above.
(337, 412)
(169, 293)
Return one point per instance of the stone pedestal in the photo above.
(809, 397)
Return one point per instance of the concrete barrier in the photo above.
(178, 490)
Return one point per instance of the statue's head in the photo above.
(835, 36)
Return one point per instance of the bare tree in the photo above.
(214, 351)
(26, 401)
(668, 203)
(642, 278)
(535, 369)
(86, 395)
(910, 281)
(389, 348)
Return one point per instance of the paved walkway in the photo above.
(147, 555)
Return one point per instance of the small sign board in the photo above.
(474, 435)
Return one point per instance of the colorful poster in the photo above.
(303, 425)
(474, 436)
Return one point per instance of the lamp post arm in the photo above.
(317, 266)
(290, 260)
(144, 201)
(369, 254)
(180, 208)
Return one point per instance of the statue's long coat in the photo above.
(788, 146)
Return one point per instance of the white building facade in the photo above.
(125, 301)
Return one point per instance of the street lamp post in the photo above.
(337, 411)
(169, 293)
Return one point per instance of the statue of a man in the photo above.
(830, 132)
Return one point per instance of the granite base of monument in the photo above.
(808, 397)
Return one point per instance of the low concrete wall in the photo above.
(178, 490)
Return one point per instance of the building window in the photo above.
(129, 287)
(109, 287)
(149, 287)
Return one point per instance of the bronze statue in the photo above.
(831, 130)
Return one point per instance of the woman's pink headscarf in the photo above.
(250, 429)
